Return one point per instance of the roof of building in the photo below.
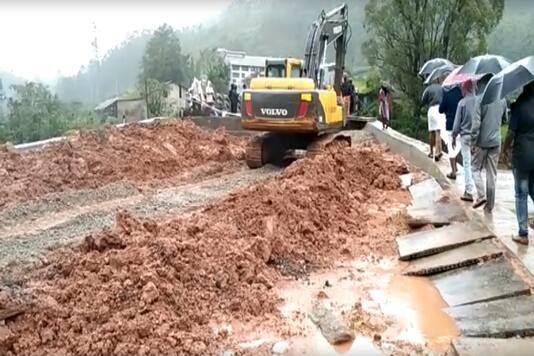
(107, 103)
(240, 58)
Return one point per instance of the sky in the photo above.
(40, 40)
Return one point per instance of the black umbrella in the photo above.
(487, 63)
(439, 72)
(510, 79)
(432, 64)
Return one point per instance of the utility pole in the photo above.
(94, 44)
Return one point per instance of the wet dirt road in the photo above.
(32, 228)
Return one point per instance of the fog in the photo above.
(43, 40)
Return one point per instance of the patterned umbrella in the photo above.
(432, 64)
(457, 78)
(487, 63)
(510, 79)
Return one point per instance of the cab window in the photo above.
(276, 71)
(295, 72)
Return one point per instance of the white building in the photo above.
(242, 65)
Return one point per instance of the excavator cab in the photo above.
(283, 68)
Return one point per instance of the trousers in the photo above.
(486, 159)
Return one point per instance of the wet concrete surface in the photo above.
(484, 282)
(425, 243)
(459, 257)
(501, 318)
(425, 193)
(437, 214)
(497, 347)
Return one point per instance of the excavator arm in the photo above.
(328, 28)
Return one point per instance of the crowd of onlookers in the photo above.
(459, 121)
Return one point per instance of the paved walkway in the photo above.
(503, 221)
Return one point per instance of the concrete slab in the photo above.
(425, 193)
(500, 318)
(481, 283)
(467, 346)
(484, 346)
(438, 214)
(426, 243)
(459, 257)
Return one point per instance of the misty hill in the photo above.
(274, 28)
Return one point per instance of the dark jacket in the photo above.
(522, 124)
(432, 95)
(449, 105)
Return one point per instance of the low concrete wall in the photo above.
(411, 149)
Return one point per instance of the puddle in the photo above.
(416, 302)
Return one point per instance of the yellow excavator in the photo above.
(293, 104)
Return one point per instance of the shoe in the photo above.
(438, 157)
(523, 240)
(430, 155)
(467, 197)
(451, 176)
(479, 203)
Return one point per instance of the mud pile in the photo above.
(147, 287)
(94, 158)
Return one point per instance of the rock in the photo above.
(198, 348)
(150, 293)
(228, 353)
(280, 347)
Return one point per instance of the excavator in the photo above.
(293, 104)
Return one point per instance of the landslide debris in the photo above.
(158, 287)
(95, 158)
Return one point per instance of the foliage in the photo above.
(404, 34)
(211, 64)
(163, 60)
(36, 114)
(155, 93)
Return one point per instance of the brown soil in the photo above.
(153, 287)
(93, 159)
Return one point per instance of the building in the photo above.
(242, 65)
(177, 99)
(126, 110)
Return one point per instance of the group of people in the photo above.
(456, 117)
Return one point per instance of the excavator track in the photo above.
(322, 142)
(254, 153)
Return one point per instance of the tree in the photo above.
(211, 64)
(156, 94)
(34, 113)
(163, 60)
(403, 34)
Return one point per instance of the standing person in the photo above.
(486, 140)
(351, 91)
(385, 106)
(234, 98)
(462, 127)
(432, 97)
(521, 138)
(448, 106)
(345, 94)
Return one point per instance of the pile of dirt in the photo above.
(147, 287)
(92, 159)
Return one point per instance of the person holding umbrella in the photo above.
(448, 106)
(486, 142)
(462, 127)
(436, 121)
(520, 137)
